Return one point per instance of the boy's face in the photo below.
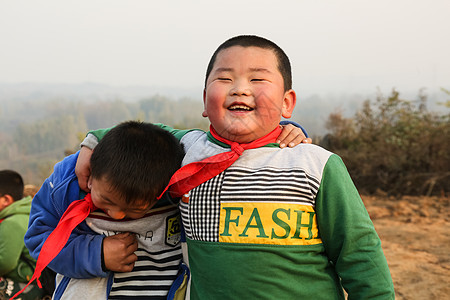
(113, 204)
(244, 97)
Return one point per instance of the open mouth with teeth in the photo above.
(240, 107)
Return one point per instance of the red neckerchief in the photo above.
(76, 213)
(196, 173)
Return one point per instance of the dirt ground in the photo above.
(415, 235)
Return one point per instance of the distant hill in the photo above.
(25, 102)
(311, 111)
(40, 123)
(89, 90)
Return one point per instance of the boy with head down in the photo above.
(128, 245)
(273, 223)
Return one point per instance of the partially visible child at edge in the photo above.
(129, 248)
(278, 223)
(16, 264)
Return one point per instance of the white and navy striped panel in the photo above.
(151, 278)
(269, 184)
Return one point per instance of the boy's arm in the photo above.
(349, 236)
(94, 136)
(81, 256)
(11, 245)
(292, 135)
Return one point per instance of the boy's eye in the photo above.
(257, 79)
(223, 79)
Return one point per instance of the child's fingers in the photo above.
(285, 130)
(130, 260)
(293, 140)
(133, 246)
(299, 140)
(130, 241)
(291, 136)
(126, 264)
(307, 141)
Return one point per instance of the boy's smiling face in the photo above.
(244, 97)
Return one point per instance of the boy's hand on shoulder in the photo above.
(118, 252)
(292, 136)
(83, 168)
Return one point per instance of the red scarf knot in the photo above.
(237, 148)
(196, 173)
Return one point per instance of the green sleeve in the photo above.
(99, 133)
(178, 133)
(349, 237)
(12, 232)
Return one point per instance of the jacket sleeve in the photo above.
(11, 243)
(81, 256)
(349, 236)
(94, 136)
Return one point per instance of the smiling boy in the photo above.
(277, 223)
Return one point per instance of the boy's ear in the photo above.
(290, 98)
(204, 113)
(5, 201)
(89, 183)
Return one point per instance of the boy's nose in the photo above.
(240, 88)
(116, 214)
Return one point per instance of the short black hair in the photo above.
(11, 183)
(284, 65)
(137, 159)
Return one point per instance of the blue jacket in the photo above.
(81, 257)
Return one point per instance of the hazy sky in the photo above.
(334, 45)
